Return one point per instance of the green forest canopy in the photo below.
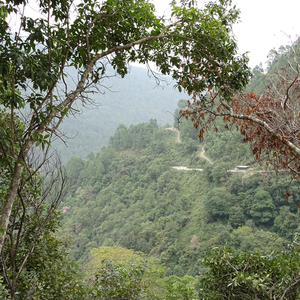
(129, 194)
(89, 37)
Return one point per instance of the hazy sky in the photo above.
(264, 25)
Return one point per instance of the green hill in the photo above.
(130, 194)
(131, 100)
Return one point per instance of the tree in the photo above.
(38, 57)
(217, 204)
(115, 254)
(236, 217)
(269, 120)
(250, 275)
(29, 245)
(286, 223)
(263, 209)
(180, 288)
(219, 171)
(125, 274)
(31, 257)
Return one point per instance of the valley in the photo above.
(131, 194)
(156, 190)
(178, 180)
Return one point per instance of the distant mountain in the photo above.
(134, 99)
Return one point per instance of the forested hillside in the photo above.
(131, 100)
(154, 193)
(277, 59)
(130, 195)
(134, 99)
(141, 209)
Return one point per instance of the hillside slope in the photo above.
(129, 194)
(131, 100)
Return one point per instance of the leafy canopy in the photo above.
(250, 275)
(195, 47)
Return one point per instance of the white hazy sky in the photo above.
(264, 24)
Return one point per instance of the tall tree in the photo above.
(29, 244)
(62, 55)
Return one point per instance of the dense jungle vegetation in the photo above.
(141, 209)
(129, 196)
(132, 226)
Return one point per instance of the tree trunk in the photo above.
(9, 201)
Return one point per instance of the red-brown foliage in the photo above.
(270, 121)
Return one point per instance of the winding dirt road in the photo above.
(178, 139)
(201, 154)
(205, 157)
